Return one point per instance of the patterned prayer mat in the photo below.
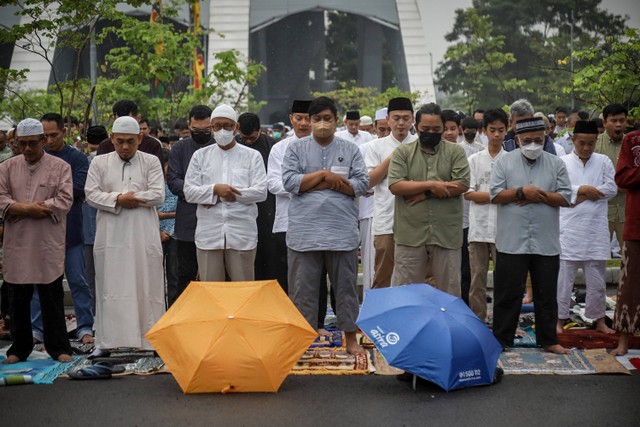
(590, 338)
(141, 366)
(382, 366)
(34, 371)
(537, 361)
(324, 341)
(332, 361)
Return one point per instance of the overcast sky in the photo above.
(440, 21)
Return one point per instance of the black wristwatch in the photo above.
(519, 194)
(427, 193)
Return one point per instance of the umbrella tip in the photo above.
(442, 309)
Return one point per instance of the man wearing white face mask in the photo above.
(226, 180)
(529, 186)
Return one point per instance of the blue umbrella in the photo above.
(430, 334)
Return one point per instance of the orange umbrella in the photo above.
(231, 337)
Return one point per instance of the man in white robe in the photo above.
(125, 186)
(584, 230)
(226, 180)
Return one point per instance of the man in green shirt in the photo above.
(609, 143)
(428, 178)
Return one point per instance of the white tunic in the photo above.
(383, 200)
(127, 249)
(274, 183)
(469, 149)
(226, 224)
(483, 219)
(584, 229)
(365, 203)
(360, 138)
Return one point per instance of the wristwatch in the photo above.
(519, 194)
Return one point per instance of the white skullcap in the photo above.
(224, 110)
(29, 127)
(365, 121)
(381, 114)
(126, 124)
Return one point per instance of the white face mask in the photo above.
(223, 137)
(532, 150)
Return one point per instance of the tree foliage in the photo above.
(479, 59)
(365, 99)
(132, 68)
(612, 78)
(537, 34)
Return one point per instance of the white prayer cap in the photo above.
(365, 121)
(29, 127)
(381, 114)
(126, 124)
(225, 111)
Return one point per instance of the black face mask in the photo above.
(470, 136)
(430, 139)
(201, 138)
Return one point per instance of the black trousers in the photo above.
(170, 260)
(510, 276)
(56, 340)
(187, 269)
(465, 268)
(280, 267)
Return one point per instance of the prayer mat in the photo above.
(332, 361)
(34, 371)
(590, 338)
(525, 337)
(382, 366)
(603, 362)
(141, 366)
(334, 340)
(635, 361)
(538, 362)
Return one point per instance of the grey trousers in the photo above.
(213, 264)
(305, 269)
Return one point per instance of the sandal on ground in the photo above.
(99, 371)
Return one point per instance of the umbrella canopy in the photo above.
(430, 334)
(231, 337)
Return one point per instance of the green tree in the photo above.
(50, 28)
(537, 34)
(479, 62)
(130, 70)
(364, 99)
(615, 77)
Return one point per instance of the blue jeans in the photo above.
(80, 291)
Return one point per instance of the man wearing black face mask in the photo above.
(185, 226)
(266, 251)
(470, 128)
(428, 177)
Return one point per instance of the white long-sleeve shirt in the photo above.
(274, 183)
(584, 228)
(360, 138)
(383, 201)
(225, 224)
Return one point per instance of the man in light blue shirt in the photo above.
(324, 175)
(530, 186)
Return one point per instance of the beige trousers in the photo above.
(479, 255)
(214, 265)
(412, 265)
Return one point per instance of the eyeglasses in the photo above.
(32, 144)
(226, 126)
